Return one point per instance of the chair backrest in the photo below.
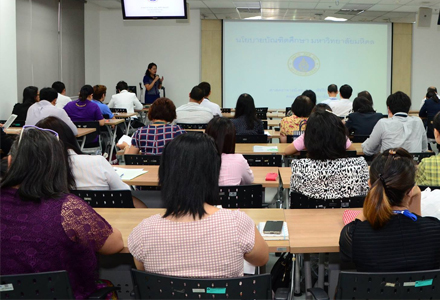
(251, 138)
(90, 138)
(261, 109)
(192, 126)
(113, 199)
(432, 187)
(118, 110)
(226, 110)
(288, 108)
(395, 285)
(262, 115)
(299, 201)
(154, 286)
(359, 138)
(241, 196)
(16, 123)
(47, 285)
(264, 124)
(418, 156)
(350, 153)
(135, 159)
(264, 160)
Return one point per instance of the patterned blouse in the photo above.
(212, 247)
(151, 139)
(428, 171)
(56, 234)
(330, 179)
(291, 124)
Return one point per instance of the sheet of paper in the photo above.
(265, 148)
(248, 268)
(129, 174)
(267, 133)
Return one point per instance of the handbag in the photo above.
(300, 130)
(281, 271)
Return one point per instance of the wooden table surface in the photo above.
(124, 115)
(285, 174)
(272, 134)
(125, 219)
(314, 230)
(269, 115)
(151, 177)
(110, 122)
(249, 148)
(81, 131)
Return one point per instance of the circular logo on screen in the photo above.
(303, 63)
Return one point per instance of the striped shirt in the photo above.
(428, 171)
(151, 139)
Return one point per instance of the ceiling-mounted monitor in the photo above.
(153, 9)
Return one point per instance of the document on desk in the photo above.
(265, 148)
(129, 174)
(284, 235)
(267, 133)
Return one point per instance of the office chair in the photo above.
(118, 110)
(93, 142)
(113, 199)
(264, 160)
(300, 201)
(251, 138)
(192, 126)
(350, 153)
(418, 156)
(136, 159)
(241, 196)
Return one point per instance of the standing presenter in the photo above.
(152, 84)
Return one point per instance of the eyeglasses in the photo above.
(36, 127)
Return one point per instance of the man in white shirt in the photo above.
(430, 89)
(62, 99)
(206, 88)
(332, 91)
(46, 107)
(399, 130)
(193, 112)
(343, 106)
(125, 99)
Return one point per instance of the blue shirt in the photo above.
(105, 110)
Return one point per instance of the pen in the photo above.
(121, 175)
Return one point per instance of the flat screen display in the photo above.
(153, 9)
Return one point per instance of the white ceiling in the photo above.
(402, 11)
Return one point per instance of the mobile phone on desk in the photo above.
(271, 176)
(273, 227)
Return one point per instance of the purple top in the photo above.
(56, 234)
(83, 111)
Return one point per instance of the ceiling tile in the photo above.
(390, 2)
(303, 5)
(329, 5)
(219, 4)
(273, 4)
(379, 7)
(196, 4)
(407, 8)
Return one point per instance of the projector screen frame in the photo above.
(126, 18)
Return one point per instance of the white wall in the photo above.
(8, 57)
(125, 48)
(425, 60)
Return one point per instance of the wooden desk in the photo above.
(358, 147)
(285, 175)
(276, 115)
(314, 230)
(124, 115)
(249, 148)
(272, 133)
(273, 123)
(81, 131)
(111, 122)
(125, 219)
(151, 178)
(112, 131)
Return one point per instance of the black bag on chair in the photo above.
(281, 271)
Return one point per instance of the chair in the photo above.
(154, 286)
(118, 110)
(113, 199)
(264, 124)
(134, 159)
(226, 110)
(251, 138)
(262, 115)
(288, 108)
(192, 126)
(300, 201)
(92, 143)
(418, 156)
(424, 187)
(241, 196)
(46, 285)
(350, 153)
(261, 109)
(264, 160)
(389, 285)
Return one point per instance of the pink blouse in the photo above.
(213, 247)
(299, 143)
(235, 170)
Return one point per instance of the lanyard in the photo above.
(406, 213)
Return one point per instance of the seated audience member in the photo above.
(391, 236)
(311, 95)
(298, 144)
(206, 88)
(62, 99)
(30, 96)
(301, 109)
(364, 117)
(125, 99)
(56, 230)
(399, 130)
(327, 172)
(367, 95)
(343, 106)
(99, 92)
(332, 91)
(430, 109)
(193, 112)
(234, 169)
(91, 172)
(192, 227)
(83, 109)
(428, 171)
(46, 107)
(245, 119)
(151, 139)
(431, 89)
